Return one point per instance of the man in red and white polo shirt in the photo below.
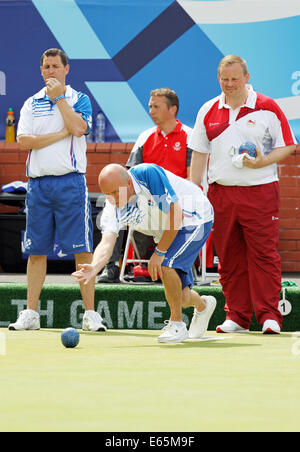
(165, 144)
(246, 197)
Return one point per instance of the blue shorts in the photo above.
(58, 205)
(184, 250)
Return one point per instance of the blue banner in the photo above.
(120, 51)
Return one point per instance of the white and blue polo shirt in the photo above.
(156, 190)
(40, 116)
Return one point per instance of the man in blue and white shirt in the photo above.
(176, 213)
(52, 126)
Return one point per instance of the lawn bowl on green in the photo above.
(70, 337)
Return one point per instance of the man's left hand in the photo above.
(154, 266)
(259, 162)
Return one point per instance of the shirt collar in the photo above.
(175, 130)
(136, 185)
(132, 200)
(250, 101)
(42, 93)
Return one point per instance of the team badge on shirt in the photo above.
(177, 146)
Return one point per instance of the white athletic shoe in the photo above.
(27, 320)
(271, 327)
(92, 321)
(200, 320)
(229, 326)
(173, 333)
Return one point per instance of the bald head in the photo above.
(115, 182)
(112, 174)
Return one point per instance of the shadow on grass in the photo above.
(211, 344)
(190, 345)
(215, 342)
(108, 333)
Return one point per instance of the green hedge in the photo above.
(121, 306)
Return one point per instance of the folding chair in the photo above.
(130, 240)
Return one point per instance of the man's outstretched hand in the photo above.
(85, 273)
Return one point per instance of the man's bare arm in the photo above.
(275, 156)
(27, 142)
(74, 122)
(198, 167)
(101, 256)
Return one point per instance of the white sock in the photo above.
(177, 323)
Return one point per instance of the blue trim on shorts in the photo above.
(58, 205)
(184, 250)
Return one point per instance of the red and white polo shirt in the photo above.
(220, 131)
(168, 151)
